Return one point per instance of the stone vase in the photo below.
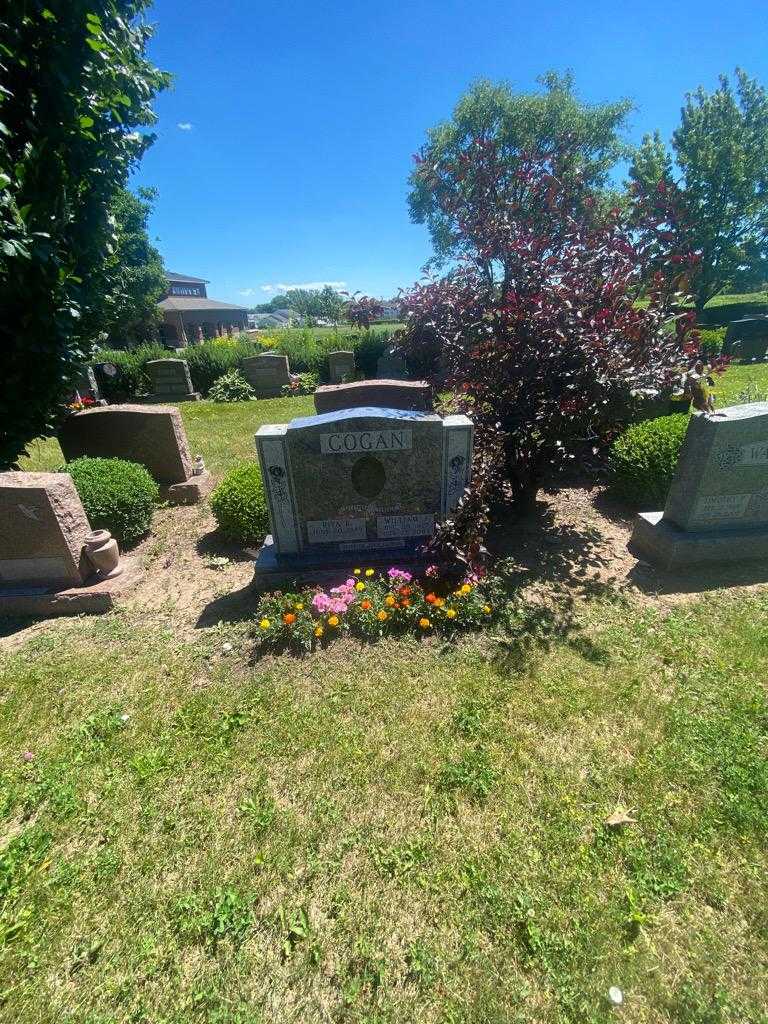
(103, 553)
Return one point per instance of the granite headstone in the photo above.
(717, 506)
(43, 533)
(360, 480)
(267, 373)
(171, 381)
(390, 367)
(388, 394)
(341, 367)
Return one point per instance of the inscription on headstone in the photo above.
(391, 368)
(171, 380)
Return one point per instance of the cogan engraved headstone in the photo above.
(717, 507)
(360, 480)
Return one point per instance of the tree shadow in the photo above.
(237, 606)
(213, 545)
(718, 576)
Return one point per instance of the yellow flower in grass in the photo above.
(265, 624)
(451, 613)
(360, 585)
(333, 621)
(466, 589)
(390, 601)
(424, 623)
(382, 616)
(369, 572)
(319, 631)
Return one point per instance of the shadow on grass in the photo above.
(721, 576)
(213, 545)
(239, 606)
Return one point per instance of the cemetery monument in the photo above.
(171, 381)
(360, 482)
(267, 374)
(341, 367)
(717, 507)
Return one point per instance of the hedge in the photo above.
(117, 495)
(643, 460)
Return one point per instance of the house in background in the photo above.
(277, 318)
(189, 315)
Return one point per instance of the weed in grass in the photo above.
(259, 810)
(472, 773)
(423, 964)
(294, 928)
(401, 859)
(470, 719)
(224, 914)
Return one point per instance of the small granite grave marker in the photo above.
(171, 381)
(391, 368)
(341, 367)
(361, 480)
(717, 507)
(153, 436)
(86, 385)
(386, 394)
(267, 374)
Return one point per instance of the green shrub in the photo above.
(643, 460)
(239, 505)
(118, 496)
(231, 387)
(711, 340)
(302, 384)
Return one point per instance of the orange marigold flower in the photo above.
(406, 591)
(405, 603)
(289, 618)
(366, 605)
(424, 623)
(439, 602)
(334, 620)
(430, 598)
(390, 601)
(382, 616)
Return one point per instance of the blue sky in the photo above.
(285, 143)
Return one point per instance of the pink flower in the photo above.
(321, 603)
(28, 756)
(400, 574)
(432, 571)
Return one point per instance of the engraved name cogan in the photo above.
(366, 441)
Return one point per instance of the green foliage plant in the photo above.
(117, 495)
(240, 507)
(76, 92)
(643, 459)
(231, 387)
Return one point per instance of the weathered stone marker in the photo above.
(388, 394)
(341, 367)
(44, 527)
(391, 368)
(153, 436)
(47, 560)
(267, 374)
(171, 381)
(86, 385)
(717, 507)
(367, 480)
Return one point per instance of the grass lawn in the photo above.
(409, 832)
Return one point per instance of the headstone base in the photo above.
(193, 396)
(668, 547)
(95, 597)
(190, 491)
(272, 573)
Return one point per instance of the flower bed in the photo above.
(370, 605)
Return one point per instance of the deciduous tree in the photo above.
(76, 90)
(720, 168)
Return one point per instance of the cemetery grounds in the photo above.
(411, 831)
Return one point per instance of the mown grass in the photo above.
(399, 833)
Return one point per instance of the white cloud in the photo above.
(186, 126)
(307, 285)
(246, 292)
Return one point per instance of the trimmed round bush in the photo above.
(643, 460)
(240, 507)
(117, 495)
